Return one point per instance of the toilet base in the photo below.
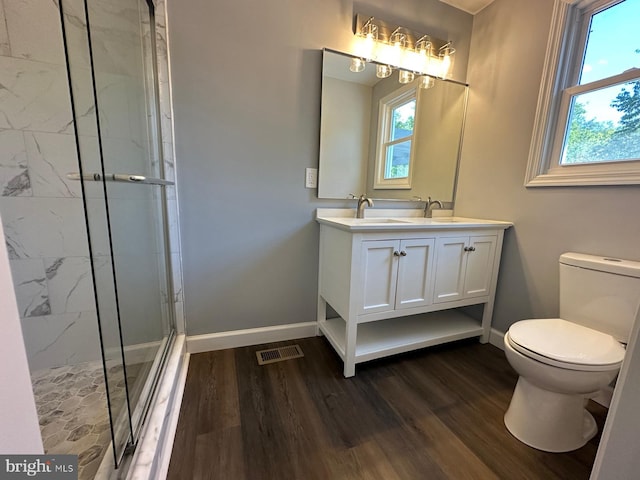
(548, 421)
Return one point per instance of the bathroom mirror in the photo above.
(387, 139)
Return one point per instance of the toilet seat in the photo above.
(565, 344)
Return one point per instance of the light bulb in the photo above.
(446, 60)
(398, 41)
(369, 47)
(369, 38)
(383, 71)
(423, 46)
(357, 65)
(405, 77)
(423, 49)
(426, 82)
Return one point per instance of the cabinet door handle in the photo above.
(472, 249)
(396, 253)
(466, 249)
(403, 253)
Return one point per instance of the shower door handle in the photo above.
(126, 177)
(119, 177)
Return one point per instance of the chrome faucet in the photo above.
(362, 200)
(430, 203)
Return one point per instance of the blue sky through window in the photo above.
(613, 39)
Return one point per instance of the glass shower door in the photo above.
(111, 65)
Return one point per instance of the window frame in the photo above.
(565, 49)
(386, 107)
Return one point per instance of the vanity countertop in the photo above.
(400, 219)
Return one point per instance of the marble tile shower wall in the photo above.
(42, 211)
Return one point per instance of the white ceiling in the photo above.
(469, 6)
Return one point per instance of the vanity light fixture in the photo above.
(393, 46)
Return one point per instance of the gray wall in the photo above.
(505, 68)
(246, 91)
(344, 144)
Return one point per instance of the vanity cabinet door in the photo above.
(415, 273)
(464, 266)
(477, 281)
(450, 269)
(379, 273)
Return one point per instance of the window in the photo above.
(587, 128)
(395, 145)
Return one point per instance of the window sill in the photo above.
(565, 179)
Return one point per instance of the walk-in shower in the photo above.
(83, 200)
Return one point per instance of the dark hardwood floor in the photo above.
(432, 414)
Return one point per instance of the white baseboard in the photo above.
(251, 336)
(496, 338)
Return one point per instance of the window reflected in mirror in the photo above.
(394, 156)
(387, 139)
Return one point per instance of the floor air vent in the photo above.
(279, 354)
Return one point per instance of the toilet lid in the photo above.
(567, 342)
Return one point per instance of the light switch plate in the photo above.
(311, 177)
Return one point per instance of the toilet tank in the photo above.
(600, 292)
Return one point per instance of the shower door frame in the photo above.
(133, 417)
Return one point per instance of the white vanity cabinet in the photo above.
(400, 285)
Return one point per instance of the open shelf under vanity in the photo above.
(397, 335)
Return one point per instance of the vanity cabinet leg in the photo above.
(487, 315)
(321, 315)
(349, 370)
(350, 348)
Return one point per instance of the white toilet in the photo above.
(563, 361)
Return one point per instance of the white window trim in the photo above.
(542, 170)
(385, 117)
